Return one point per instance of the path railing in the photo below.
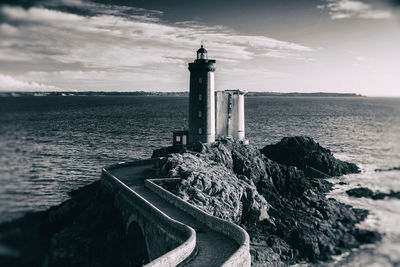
(241, 257)
(183, 233)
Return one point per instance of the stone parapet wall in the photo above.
(242, 255)
(181, 237)
(131, 164)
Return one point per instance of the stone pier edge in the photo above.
(174, 257)
(241, 257)
(187, 249)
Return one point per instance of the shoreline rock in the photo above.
(309, 156)
(368, 193)
(300, 224)
(388, 169)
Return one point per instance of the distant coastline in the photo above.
(183, 94)
(304, 94)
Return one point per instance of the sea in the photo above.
(52, 144)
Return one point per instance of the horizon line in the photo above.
(186, 91)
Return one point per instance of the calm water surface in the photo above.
(52, 144)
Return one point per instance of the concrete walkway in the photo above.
(213, 248)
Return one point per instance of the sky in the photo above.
(145, 45)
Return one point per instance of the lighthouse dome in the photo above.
(202, 53)
(202, 50)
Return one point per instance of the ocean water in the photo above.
(52, 144)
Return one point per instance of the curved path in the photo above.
(214, 248)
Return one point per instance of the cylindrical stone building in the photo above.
(201, 99)
(230, 114)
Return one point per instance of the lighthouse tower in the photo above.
(211, 114)
(201, 99)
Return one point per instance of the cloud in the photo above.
(110, 39)
(344, 9)
(8, 83)
(113, 40)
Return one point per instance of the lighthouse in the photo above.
(211, 114)
(202, 99)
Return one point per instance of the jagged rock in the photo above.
(304, 153)
(287, 180)
(367, 236)
(243, 159)
(284, 211)
(246, 160)
(365, 192)
(214, 188)
(255, 207)
(360, 192)
(264, 254)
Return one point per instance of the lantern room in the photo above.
(202, 53)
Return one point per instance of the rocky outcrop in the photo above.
(368, 193)
(307, 155)
(285, 211)
(215, 188)
(83, 231)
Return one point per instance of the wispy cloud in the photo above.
(344, 9)
(112, 39)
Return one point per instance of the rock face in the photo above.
(83, 231)
(215, 188)
(284, 210)
(307, 155)
(365, 192)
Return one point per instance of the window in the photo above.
(178, 138)
(200, 114)
(200, 80)
(200, 97)
(184, 140)
(200, 131)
